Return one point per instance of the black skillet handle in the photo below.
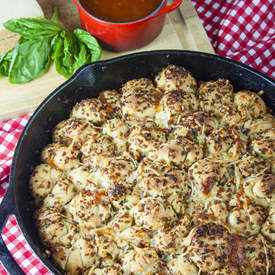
(7, 207)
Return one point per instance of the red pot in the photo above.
(129, 35)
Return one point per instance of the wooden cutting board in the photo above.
(182, 30)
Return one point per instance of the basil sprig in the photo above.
(42, 42)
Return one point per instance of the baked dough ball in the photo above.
(105, 270)
(207, 174)
(139, 99)
(195, 125)
(209, 246)
(96, 149)
(55, 229)
(259, 256)
(113, 176)
(181, 266)
(176, 78)
(143, 140)
(170, 240)
(60, 157)
(136, 85)
(73, 131)
(251, 165)
(174, 104)
(163, 182)
(119, 131)
(115, 171)
(229, 115)
(121, 221)
(111, 100)
(246, 219)
(261, 189)
(179, 151)
(132, 237)
(249, 104)
(90, 109)
(218, 209)
(61, 193)
(264, 144)
(151, 214)
(268, 228)
(226, 143)
(82, 255)
(214, 95)
(91, 209)
(42, 181)
(141, 261)
(256, 126)
(80, 177)
(105, 241)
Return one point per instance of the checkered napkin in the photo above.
(240, 30)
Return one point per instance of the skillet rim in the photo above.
(48, 264)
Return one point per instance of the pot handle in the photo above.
(165, 9)
(7, 207)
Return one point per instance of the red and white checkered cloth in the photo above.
(243, 30)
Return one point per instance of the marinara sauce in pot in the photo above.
(120, 10)
(123, 25)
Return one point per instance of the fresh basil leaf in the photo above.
(58, 55)
(70, 49)
(64, 48)
(30, 60)
(90, 42)
(82, 57)
(33, 28)
(5, 61)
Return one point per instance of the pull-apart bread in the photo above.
(163, 176)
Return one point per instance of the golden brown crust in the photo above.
(176, 78)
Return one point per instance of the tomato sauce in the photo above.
(120, 11)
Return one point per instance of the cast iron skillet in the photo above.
(88, 82)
